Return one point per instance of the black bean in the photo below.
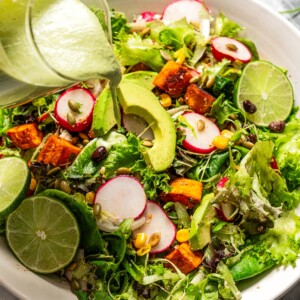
(249, 107)
(277, 126)
(252, 138)
(99, 154)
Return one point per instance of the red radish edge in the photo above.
(122, 196)
(220, 50)
(183, 8)
(148, 16)
(222, 182)
(203, 137)
(83, 119)
(159, 222)
(225, 212)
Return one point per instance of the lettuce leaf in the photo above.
(258, 190)
(175, 35)
(288, 153)
(132, 49)
(226, 27)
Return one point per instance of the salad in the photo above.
(178, 185)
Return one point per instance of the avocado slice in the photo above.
(138, 100)
(200, 226)
(103, 115)
(144, 78)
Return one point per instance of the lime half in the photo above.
(43, 234)
(268, 87)
(14, 183)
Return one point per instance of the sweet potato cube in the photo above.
(186, 191)
(173, 79)
(58, 151)
(197, 99)
(184, 258)
(25, 136)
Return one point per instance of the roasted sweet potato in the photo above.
(186, 191)
(197, 99)
(173, 79)
(184, 258)
(25, 136)
(58, 151)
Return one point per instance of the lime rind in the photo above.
(43, 234)
(268, 87)
(14, 183)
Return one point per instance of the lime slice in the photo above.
(43, 234)
(14, 183)
(268, 87)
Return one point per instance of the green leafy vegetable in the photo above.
(288, 153)
(91, 239)
(133, 49)
(226, 27)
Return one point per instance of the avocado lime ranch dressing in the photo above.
(54, 43)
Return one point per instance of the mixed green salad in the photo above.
(178, 186)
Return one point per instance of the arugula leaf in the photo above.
(222, 109)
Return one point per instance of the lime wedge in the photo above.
(14, 183)
(268, 87)
(43, 234)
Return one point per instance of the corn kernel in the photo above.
(89, 197)
(33, 184)
(182, 235)
(179, 54)
(166, 100)
(144, 250)
(154, 239)
(140, 240)
(227, 133)
(220, 142)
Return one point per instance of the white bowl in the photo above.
(278, 41)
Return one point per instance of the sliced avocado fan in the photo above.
(138, 100)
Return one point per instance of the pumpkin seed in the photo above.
(83, 136)
(231, 47)
(75, 286)
(53, 171)
(166, 55)
(74, 106)
(147, 143)
(123, 171)
(65, 187)
(200, 125)
(71, 119)
(97, 210)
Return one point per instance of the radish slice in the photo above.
(138, 126)
(84, 100)
(189, 9)
(222, 182)
(199, 141)
(157, 222)
(227, 211)
(148, 16)
(122, 197)
(224, 47)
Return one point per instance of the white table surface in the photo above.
(278, 5)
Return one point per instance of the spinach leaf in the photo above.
(91, 239)
(223, 85)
